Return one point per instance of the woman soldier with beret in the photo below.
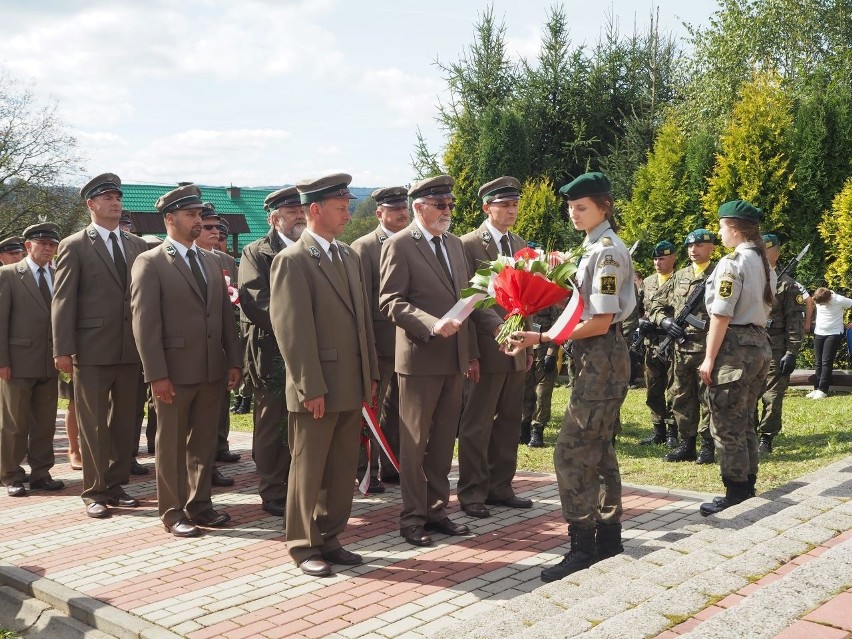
(584, 452)
(738, 298)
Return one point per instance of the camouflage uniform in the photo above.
(584, 454)
(658, 375)
(689, 404)
(538, 389)
(786, 330)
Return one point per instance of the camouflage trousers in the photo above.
(658, 379)
(538, 391)
(772, 398)
(738, 378)
(689, 404)
(584, 456)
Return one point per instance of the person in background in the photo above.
(829, 334)
(11, 250)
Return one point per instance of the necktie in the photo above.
(505, 247)
(338, 265)
(439, 252)
(196, 272)
(118, 258)
(43, 287)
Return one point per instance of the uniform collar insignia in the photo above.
(382, 238)
(22, 268)
(486, 237)
(170, 249)
(416, 234)
(314, 251)
(125, 235)
(342, 249)
(92, 233)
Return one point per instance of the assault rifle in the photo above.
(686, 316)
(792, 264)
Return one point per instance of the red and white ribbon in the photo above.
(376, 430)
(564, 326)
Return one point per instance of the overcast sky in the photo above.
(255, 92)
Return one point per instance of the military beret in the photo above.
(594, 183)
(42, 231)
(742, 210)
(391, 196)
(770, 240)
(288, 196)
(152, 241)
(698, 236)
(125, 217)
(224, 226)
(187, 196)
(432, 187)
(11, 244)
(663, 248)
(500, 190)
(325, 188)
(101, 184)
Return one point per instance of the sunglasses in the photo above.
(210, 227)
(442, 206)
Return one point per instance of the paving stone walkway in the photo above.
(788, 552)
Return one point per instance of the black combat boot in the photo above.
(608, 540)
(764, 447)
(536, 436)
(244, 408)
(684, 452)
(657, 437)
(525, 432)
(707, 454)
(238, 401)
(736, 492)
(671, 436)
(752, 481)
(581, 556)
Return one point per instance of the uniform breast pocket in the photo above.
(175, 341)
(90, 322)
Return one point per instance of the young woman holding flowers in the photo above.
(584, 450)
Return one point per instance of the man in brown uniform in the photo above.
(321, 319)
(28, 386)
(392, 213)
(423, 271)
(269, 440)
(93, 338)
(491, 422)
(11, 250)
(184, 326)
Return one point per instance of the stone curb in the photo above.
(87, 610)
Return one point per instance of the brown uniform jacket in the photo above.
(480, 247)
(179, 335)
(369, 249)
(324, 331)
(415, 293)
(91, 310)
(26, 344)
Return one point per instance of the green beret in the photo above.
(11, 244)
(325, 188)
(594, 183)
(742, 210)
(664, 248)
(392, 196)
(699, 236)
(101, 184)
(187, 196)
(42, 231)
(288, 196)
(770, 240)
(439, 186)
(502, 189)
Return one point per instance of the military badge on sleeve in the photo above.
(609, 285)
(726, 287)
(800, 300)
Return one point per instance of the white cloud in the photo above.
(412, 98)
(526, 44)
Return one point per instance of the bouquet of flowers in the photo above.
(233, 291)
(526, 283)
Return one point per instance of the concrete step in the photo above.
(34, 619)
(640, 594)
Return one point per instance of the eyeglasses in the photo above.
(210, 227)
(442, 206)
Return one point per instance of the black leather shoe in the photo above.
(47, 483)
(274, 506)
(343, 557)
(97, 511)
(218, 479)
(244, 408)
(138, 469)
(511, 502)
(183, 528)
(390, 478)
(375, 486)
(16, 489)
(476, 510)
(210, 518)
(123, 500)
(416, 536)
(315, 567)
(447, 527)
(227, 456)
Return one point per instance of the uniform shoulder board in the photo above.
(313, 251)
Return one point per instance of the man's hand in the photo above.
(674, 331)
(316, 406)
(787, 364)
(64, 364)
(234, 376)
(473, 371)
(549, 364)
(6, 373)
(163, 390)
(446, 327)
